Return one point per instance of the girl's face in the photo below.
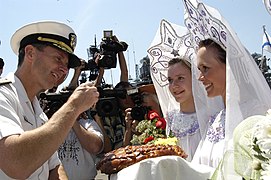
(180, 83)
(213, 72)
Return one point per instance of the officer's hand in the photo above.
(84, 97)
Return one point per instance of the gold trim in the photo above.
(60, 44)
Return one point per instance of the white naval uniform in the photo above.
(18, 115)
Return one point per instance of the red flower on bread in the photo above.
(152, 115)
(148, 139)
(150, 129)
(161, 123)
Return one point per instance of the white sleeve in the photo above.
(10, 121)
(53, 161)
(92, 126)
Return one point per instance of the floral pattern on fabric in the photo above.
(182, 124)
(216, 130)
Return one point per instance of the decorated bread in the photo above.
(121, 158)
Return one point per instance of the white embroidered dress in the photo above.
(211, 149)
(185, 127)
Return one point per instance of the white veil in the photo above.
(247, 92)
(171, 41)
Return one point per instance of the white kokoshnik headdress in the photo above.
(202, 25)
(170, 41)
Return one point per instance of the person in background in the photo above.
(28, 140)
(183, 123)
(113, 127)
(122, 65)
(150, 100)
(74, 83)
(79, 150)
(78, 153)
(2, 63)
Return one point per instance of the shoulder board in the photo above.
(4, 81)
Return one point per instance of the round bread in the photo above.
(118, 159)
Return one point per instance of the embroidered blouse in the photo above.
(216, 130)
(185, 127)
(211, 149)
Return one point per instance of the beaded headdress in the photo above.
(202, 25)
(172, 41)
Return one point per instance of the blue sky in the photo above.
(134, 22)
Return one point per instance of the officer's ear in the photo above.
(30, 52)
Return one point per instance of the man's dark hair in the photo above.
(2, 63)
(22, 52)
(123, 85)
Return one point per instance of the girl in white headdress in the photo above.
(183, 123)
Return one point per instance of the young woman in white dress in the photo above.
(183, 123)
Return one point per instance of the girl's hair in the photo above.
(209, 43)
(179, 60)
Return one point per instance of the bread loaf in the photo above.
(116, 160)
